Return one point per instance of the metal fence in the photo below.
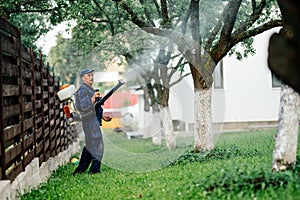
(32, 122)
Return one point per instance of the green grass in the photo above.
(238, 168)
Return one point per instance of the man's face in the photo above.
(88, 79)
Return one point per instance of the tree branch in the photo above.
(16, 8)
(256, 12)
(165, 15)
(134, 17)
(244, 26)
(99, 21)
(253, 17)
(185, 19)
(147, 13)
(218, 53)
(229, 19)
(27, 2)
(179, 79)
(195, 23)
(189, 48)
(253, 4)
(175, 56)
(112, 29)
(213, 35)
(174, 69)
(240, 36)
(157, 7)
(186, 46)
(32, 11)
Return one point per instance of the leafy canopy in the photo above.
(34, 18)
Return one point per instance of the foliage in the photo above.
(245, 48)
(215, 154)
(34, 18)
(239, 168)
(32, 26)
(96, 21)
(218, 25)
(65, 59)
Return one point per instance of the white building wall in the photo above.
(247, 96)
(248, 91)
(181, 100)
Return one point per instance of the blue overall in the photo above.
(93, 149)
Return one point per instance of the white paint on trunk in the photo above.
(203, 135)
(156, 128)
(168, 127)
(147, 122)
(286, 139)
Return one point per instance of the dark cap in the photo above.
(86, 71)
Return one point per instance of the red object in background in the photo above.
(121, 99)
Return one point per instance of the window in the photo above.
(218, 76)
(276, 82)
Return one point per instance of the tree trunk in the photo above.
(286, 139)
(148, 117)
(168, 127)
(203, 135)
(156, 128)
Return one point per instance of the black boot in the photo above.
(95, 167)
(77, 171)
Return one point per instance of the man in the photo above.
(93, 149)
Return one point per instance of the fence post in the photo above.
(2, 152)
(53, 116)
(33, 101)
(42, 110)
(58, 131)
(57, 117)
(21, 97)
(48, 112)
(45, 98)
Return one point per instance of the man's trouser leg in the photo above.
(95, 168)
(84, 162)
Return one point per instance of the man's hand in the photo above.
(106, 118)
(96, 95)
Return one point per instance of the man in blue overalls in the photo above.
(93, 149)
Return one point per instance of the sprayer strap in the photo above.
(87, 115)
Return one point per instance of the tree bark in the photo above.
(203, 135)
(286, 139)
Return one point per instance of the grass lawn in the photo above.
(238, 168)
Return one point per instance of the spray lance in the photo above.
(101, 100)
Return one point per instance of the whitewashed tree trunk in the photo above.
(156, 128)
(287, 133)
(148, 117)
(203, 135)
(168, 127)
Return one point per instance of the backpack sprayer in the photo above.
(67, 93)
